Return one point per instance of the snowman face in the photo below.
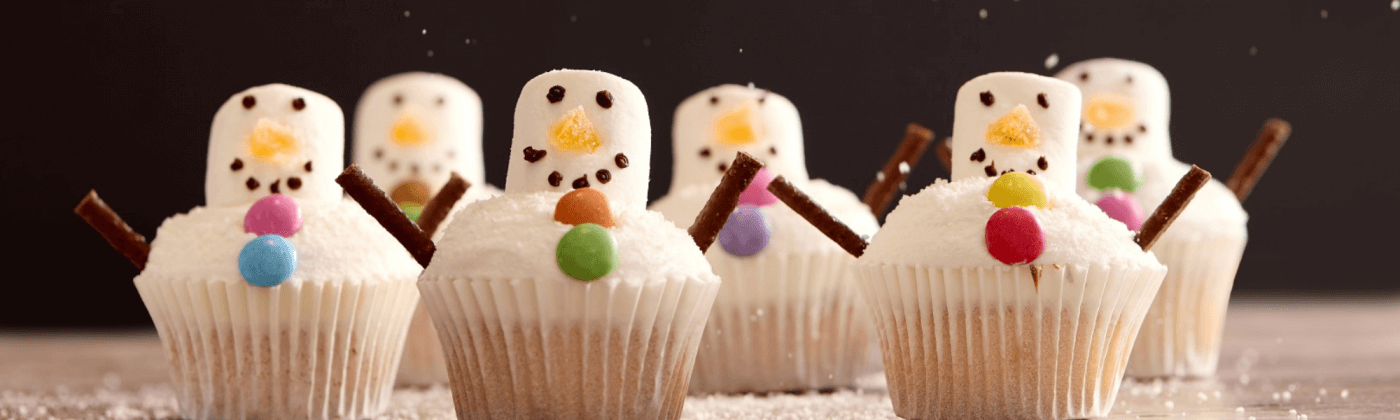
(1021, 122)
(413, 130)
(581, 128)
(1126, 109)
(712, 126)
(274, 139)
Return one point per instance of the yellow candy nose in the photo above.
(574, 132)
(1015, 129)
(736, 127)
(272, 141)
(408, 130)
(1109, 111)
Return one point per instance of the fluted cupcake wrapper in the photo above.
(301, 350)
(784, 322)
(993, 343)
(423, 363)
(1182, 333)
(527, 348)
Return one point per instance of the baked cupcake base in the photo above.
(1181, 336)
(527, 348)
(991, 343)
(784, 323)
(301, 350)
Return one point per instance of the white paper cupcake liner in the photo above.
(1182, 333)
(528, 349)
(301, 350)
(784, 322)
(423, 363)
(989, 343)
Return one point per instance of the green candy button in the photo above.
(1114, 172)
(587, 252)
(412, 210)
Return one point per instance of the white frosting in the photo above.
(1214, 211)
(337, 242)
(1015, 107)
(705, 131)
(945, 226)
(274, 142)
(1135, 90)
(419, 127)
(623, 128)
(515, 236)
(791, 233)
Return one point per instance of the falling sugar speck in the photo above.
(1052, 61)
(1345, 394)
(904, 168)
(1324, 13)
(1394, 4)
(1253, 50)
(1239, 411)
(741, 51)
(573, 18)
(425, 31)
(469, 41)
(430, 53)
(982, 13)
(1169, 404)
(405, 13)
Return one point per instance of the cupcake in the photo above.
(412, 130)
(278, 298)
(564, 297)
(1002, 294)
(1126, 166)
(788, 317)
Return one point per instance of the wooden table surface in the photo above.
(1284, 358)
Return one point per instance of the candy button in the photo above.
(1123, 208)
(1015, 189)
(584, 205)
(267, 261)
(1114, 172)
(412, 210)
(1014, 236)
(746, 233)
(587, 252)
(275, 214)
(757, 193)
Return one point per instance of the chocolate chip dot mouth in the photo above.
(1142, 128)
(555, 178)
(274, 187)
(237, 164)
(555, 94)
(294, 183)
(249, 102)
(987, 98)
(1128, 138)
(298, 104)
(773, 150)
(1089, 137)
(252, 184)
(379, 153)
(581, 182)
(991, 169)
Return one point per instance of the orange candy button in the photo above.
(584, 205)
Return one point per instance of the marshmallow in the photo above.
(576, 128)
(712, 126)
(412, 130)
(275, 139)
(1016, 122)
(1126, 109)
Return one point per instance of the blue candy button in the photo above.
(267, 261)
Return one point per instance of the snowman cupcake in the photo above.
(787, 317)
(278, 298)
(565, 297)
(1002, 294)
(1126, 167)
(412, 130)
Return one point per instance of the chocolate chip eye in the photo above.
(1043, 164)
(441, 101)
(237, 164)
(252, 184)
(714, 100)
(988, 99)
(555, 178)
(1084, 77)
(1130, 78)
(451, 154)
(398, 99)
(1030, 171)
(298, 104)
(621, 161)
(555, 95)
(308, 166)
(378, 153)
(413, 168)
(604, 99)
(1040, 99)
(603, 176)
(772, 150)
(581, 182)
(294, 183)
(532, 155)
(723, 167)
(1142, 128)
(979, 155)
(705, 152)
(393, 165)
(249, 102)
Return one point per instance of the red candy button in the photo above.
(1014, 236)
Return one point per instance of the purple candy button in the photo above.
(757, 194)
(746, 233)
(275, 214)
(1123, 208)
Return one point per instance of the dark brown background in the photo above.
(119, 95)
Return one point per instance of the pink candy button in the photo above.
(275, 214)
(1123, 208)
(757, 194)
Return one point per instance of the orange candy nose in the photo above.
(584, 205)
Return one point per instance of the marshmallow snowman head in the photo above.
(274, 139)
(712, 126)
(1126, 109)
(581, 128)
(412, 130)
(1019, 122)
